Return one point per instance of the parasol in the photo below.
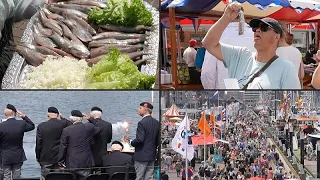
(199, 140)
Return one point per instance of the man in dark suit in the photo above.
(146, 143)
(76, 139)
(101, 140)
(11, 139)
(117, 158)
(48, 141)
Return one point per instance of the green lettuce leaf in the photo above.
(117, 71)
(122, 13)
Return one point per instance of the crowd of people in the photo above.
(247, 153)
(78, 145)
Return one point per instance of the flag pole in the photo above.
(187, 145)
(204, 158)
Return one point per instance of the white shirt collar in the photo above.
(146, 115)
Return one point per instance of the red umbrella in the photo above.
(290, 14)
(256, 178)
(199, 140)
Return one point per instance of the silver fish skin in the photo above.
(81, 8)
(83, 24)
(67, 33)
(137, 29)
(51, 15)
(33, 58)
(66, 45)
(105, 49)
(41, 39)
(78, 31)
(61, 11)
(88, 3)
(135, 55)
(101, 42)
(241, 22)
(43, 30)
(117, 35)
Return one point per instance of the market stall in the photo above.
(289, 11)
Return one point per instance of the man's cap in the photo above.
(193, 42)
(146, 105)
(76, 113)
(11, 107)
(268, 21)
(117, 142)
(53, 110)
(95, 108)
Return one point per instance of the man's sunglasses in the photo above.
(263, 27)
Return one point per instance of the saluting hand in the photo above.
(61, 116)
(20, 114)
(86, 115)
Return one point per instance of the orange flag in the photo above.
(204, 126)
(212, 118)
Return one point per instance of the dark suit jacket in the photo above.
(75, 145)
(101, 140)
(48, 140)
(117, 158)
(11, 139)
(147, 139)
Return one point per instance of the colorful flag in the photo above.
(204, 126)
(224, 114)
(215, 96)
(212, 118)
(289, 96)
(180, 141)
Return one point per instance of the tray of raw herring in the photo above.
(87, 44)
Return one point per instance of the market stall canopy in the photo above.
(176, 119)
(252, 8)
(314, 135)
(307, 119)
(199, 140)
(286, 10)
(304, 26)
(173, 111)
(256, 178)
(290, 14)
(305, 4)
(313, 19)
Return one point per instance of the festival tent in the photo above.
(176, 119)
(173, 111)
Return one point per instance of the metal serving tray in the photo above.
(18, 67)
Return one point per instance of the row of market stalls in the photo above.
(297, 14)
(174, 116)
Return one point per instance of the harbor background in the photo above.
(117, 106)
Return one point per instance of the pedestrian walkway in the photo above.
(310, 165)
(286, 165)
